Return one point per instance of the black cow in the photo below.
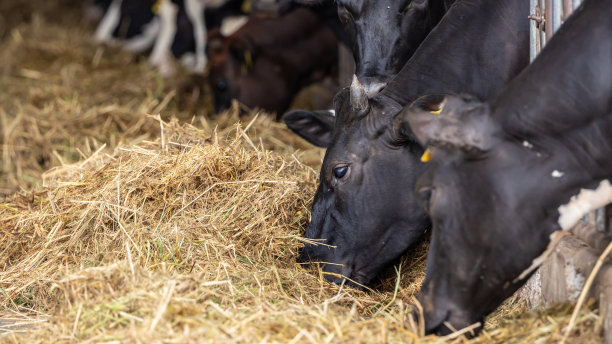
(363, 210)
(383, 34)
(509, 174)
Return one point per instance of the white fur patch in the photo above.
(557, 174)
(104, 31)
(143, 42)
(232, 24)
(161, 56)
(527, 144)
(195, 12)
(584, 202)
(570, 213)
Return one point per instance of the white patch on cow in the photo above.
(144, 41)
(104, 31)
(584, 202)
(332, 112)
(232, 24)
(557, 174)
(555, 237)
(527, 144)
(195, 12)
(161, 56)
(570, 213)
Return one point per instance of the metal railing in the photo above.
(546, 16)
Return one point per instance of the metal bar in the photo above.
(542, 33)
(533, 30)
(548, 24)
(556, 14)
(568, 8)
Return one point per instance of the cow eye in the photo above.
(425, 194)
(340, 171)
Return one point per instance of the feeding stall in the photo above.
(564, 273)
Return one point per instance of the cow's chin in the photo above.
(334, 270)
(449, 320)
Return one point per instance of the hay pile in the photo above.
(63, 98)
(151, 230)
(192, 238)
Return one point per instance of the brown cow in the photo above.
(267, 61)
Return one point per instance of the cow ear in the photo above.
(243, 50)
(459, 122)
(313, 126)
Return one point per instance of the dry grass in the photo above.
(63, 98)
(152, 230)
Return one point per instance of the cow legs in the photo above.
(161, 56)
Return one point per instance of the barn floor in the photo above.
(130, 213)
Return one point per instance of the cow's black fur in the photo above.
(384, 34)
(490, 189)
(370, 216)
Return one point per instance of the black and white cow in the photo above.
(172, 28)
(94, 10)
(184, 27)
(363, 210)
(509, 175)
(132, 22)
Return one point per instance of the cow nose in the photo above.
(306, 254)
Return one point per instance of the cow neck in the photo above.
(476, 48)
(568, 85)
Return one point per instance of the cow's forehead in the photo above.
(382, 4)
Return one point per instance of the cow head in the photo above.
(384, 34)
(494, 198)
(230, 62)
(361, 218)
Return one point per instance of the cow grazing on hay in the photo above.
(509, 175)
(364, 211)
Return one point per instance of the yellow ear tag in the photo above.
(437, 111)
(248, 62)
(248, 59)
(426, 156)
(157, 6)
(246, 6)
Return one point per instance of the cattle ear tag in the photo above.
(248, 59)
(426, 156)
(246, 6)
(248, 62)
(439, 110)
(156, 6)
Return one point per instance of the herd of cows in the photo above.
(445, 126)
